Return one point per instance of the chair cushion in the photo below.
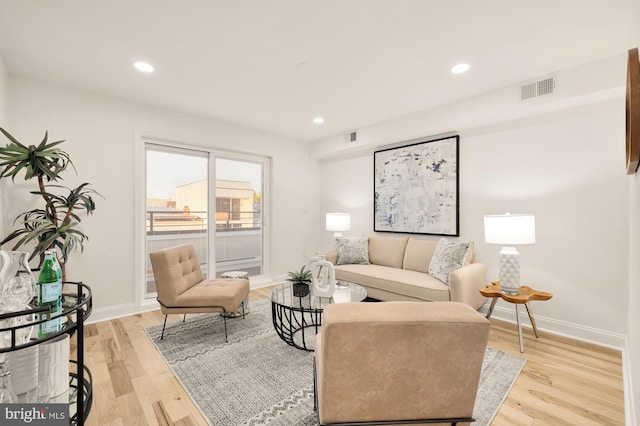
(209, 295)
(175, 270)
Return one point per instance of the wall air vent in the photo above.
(352, 137)
(543, 86)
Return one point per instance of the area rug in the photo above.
(258, 379)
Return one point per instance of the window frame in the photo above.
(142, 140)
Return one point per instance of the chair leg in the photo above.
(184, 318)
(224, 317)
(163, 326)
(243, 309)
(315, 388)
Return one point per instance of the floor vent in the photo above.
(543, 86)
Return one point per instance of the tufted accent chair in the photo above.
(182, 288)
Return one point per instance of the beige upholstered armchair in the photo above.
(182, 288)
(398, 362)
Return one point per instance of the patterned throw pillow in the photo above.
(352, 251)
(447, 257)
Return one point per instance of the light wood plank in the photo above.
(120, 378)
(161, 415)
(105, 406)
(131, 409)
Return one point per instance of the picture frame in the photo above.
(633, 111)
(416, 188)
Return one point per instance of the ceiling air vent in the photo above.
(543, 86)
(352, 137)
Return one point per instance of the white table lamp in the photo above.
(338, 222)
(510, 230)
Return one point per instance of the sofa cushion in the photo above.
(352, 251)
(418, 253)
(447, 257)
(401, 281)
(387, 251)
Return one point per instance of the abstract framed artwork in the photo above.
(416, 188)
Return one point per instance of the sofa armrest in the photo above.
(332, 257)
(465, 284)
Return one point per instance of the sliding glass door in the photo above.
(239, 231)
(179, 199)
(177, 203)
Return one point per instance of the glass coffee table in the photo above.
(298, 319)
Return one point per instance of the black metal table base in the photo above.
(295, 325)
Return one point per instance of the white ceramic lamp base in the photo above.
(509, 260)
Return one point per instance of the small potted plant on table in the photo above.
(301, 280)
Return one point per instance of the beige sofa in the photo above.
(398, 270)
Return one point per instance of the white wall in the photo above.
(4, 85)
(632, 376)
(561, 160)
(4, 105)
(633, 296)
(100, 134)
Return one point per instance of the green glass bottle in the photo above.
(50, 293)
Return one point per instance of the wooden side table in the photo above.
(525, 295)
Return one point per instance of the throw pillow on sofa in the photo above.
(447, 257)
(352, 251)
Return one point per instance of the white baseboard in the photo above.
(629, 406)
(119, 311)
(263, 281)
(561, 328)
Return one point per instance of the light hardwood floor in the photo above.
(564, 382)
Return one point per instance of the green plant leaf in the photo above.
(56, 224)
(11, 138)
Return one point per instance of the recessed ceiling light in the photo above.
(143, 66)
(318, 120)
(460, 68)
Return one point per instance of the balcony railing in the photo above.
(238, 240)
(180, 222)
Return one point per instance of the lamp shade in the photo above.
(338, 222)
(510, 229)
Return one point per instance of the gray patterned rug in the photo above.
(258, 379)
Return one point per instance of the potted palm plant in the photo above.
(301, 280)
(54, 225)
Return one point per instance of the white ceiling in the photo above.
(368, 60)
